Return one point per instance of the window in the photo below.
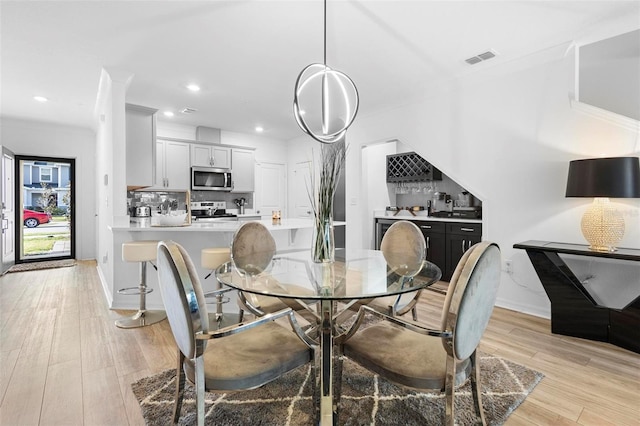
(45, 174)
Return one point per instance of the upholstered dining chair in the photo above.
(417, 357)
(252, 250)
(238, 357)
(404, 248)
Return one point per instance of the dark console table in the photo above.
(576, 310)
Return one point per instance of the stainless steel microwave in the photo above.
(211, 179)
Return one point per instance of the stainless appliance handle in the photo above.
(225, 179)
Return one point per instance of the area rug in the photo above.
(367, 399)
(49, 264)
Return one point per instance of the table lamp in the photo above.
(603, 178)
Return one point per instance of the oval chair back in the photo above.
(469, 304)
(253, 248)
(183, 298)
(404, 248)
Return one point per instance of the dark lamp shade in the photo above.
(615, 177)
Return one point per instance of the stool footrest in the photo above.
(141, 319)
(132, 291)
(222, 301)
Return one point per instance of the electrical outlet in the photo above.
(105, 258)
(508, 266)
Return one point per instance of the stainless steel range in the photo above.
(206, 211)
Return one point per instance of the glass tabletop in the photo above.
(356, 274)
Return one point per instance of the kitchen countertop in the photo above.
(219, 226)
(407, 216)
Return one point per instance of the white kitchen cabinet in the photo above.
(243, 168)
(172, 165)
(140, 144)
(204, 155)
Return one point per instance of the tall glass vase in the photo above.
(323, 242)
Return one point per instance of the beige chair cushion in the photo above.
(139, 251)
(406, 358)
(253, 364)
(212, 257)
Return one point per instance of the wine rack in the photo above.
(410, 167)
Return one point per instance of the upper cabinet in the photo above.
(140, 137)
(172, 165)
(243, 168)
(206, 155)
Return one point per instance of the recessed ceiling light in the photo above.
(259, 129)
(40, 98)
(168, 114)
(193, 87)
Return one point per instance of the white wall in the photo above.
(508, 138)
(50, 140)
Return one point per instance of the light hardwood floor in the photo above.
(63, 361)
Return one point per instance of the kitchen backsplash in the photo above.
(154, 198)
(418, 193)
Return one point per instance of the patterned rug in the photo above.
(34, 266)
(367, 399)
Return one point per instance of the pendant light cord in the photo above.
(325, 33)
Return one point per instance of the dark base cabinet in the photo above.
(435, 237)
(460, 238)
(446, 241)
(574, 311)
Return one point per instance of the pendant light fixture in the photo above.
(325, 100)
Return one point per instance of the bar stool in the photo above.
(211, 258)
(143, 252)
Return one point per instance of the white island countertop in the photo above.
(220, 226)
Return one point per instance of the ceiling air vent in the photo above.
(188, 110)
(481, 57)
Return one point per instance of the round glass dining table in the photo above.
(355, 276)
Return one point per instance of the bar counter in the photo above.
(289, 234)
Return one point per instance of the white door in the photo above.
(301, 185)
(8, 215)
(270, 193)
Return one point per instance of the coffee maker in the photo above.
(441, 205)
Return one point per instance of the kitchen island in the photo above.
(289, 234)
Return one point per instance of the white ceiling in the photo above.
(247, 54)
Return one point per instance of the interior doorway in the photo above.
(45, 208)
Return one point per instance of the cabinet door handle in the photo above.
(428, 243)
(425, 226)
(463, 244)
(467, 229)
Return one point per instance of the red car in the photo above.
(32, 218)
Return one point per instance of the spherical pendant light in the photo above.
(325, 100)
